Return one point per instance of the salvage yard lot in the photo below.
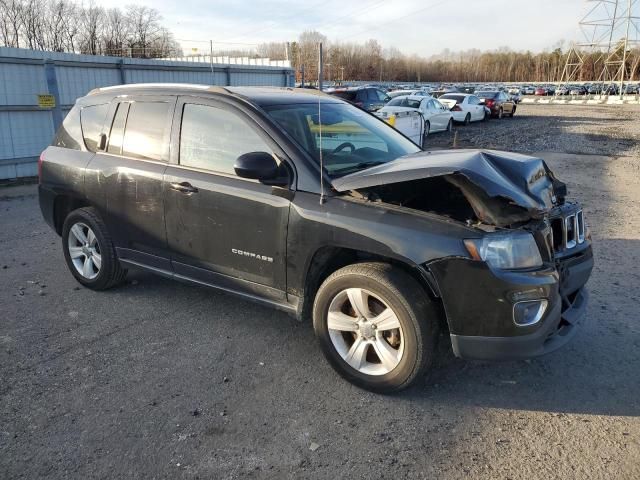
(165, 380)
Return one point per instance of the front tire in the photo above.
(450, 125)
(376, 326)
(513, 112)
(89, 250)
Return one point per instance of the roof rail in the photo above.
(159, 86)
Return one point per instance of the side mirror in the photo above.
(387, 99)
(256, 165)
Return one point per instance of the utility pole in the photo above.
(320, 66)
(211, 60)
(623, 65)
(341, 75)
(328, 65)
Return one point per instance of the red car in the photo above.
(541, 92)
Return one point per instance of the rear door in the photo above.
(444, 114)
(477, 108)
(222, 229)
(128, 177)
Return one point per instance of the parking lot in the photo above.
(157, 379)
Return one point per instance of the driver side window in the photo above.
(212, 138)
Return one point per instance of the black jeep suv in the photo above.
(301, 201)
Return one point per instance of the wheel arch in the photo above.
(63, 205)
(328, 259)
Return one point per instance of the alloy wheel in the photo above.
(84, 250)
(365, 331)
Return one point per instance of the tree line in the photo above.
(370, 61)
(67, 26)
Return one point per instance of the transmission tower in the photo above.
(610, 30)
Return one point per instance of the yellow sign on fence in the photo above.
(46, 101)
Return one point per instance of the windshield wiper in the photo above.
(358, 166)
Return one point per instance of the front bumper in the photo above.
(558, 329)
(478, 303)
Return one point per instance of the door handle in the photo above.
(184, 187)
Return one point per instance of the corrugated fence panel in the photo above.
(74, 80)
(26, 129)
(21, 83)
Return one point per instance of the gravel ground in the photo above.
(579, 129)
(157, 379)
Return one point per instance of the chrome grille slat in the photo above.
(568, 231)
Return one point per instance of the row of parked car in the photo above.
(578, 89)
(418, 112)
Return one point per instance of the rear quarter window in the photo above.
(92, 120)
(69, 134)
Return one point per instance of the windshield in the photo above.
(404, 102)
(352, 139)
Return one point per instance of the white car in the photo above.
(465, 107)
(404, 93)
(436, 116)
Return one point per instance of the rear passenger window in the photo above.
(117, 129)
(92, 120)
(212, 138)
(146, 134)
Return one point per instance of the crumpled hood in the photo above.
(493, 181)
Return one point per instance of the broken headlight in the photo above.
(506, 250)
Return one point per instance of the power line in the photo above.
(216, 42)
(285, 17)
(412, 14)
(350, 15)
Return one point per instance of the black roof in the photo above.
(260, 96)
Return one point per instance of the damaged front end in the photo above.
(475, 186)
(520, 292)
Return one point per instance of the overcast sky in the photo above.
(424, 27)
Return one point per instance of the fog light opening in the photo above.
(530, 312)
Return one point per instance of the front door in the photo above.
(222, 229)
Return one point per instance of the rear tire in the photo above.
(467, 119)
(450, 125)
(381, 355)
(500, 113)
(89, 250)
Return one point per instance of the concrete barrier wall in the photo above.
(26, 127)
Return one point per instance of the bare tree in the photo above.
(10, 22)
(55, 25)
(91, 26)
(116, 32)
(33, 28)
(145, 28)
